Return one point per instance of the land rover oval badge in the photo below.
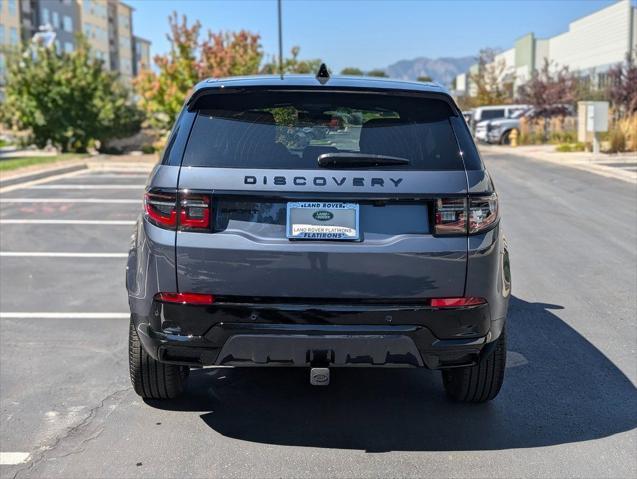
(322, 215)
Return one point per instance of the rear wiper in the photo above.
(358, 160)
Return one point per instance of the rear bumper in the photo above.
(296, 334)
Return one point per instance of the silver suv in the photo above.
(375, 241)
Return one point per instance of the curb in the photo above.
(582, 164)
(38, 175)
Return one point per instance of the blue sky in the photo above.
(370, 34)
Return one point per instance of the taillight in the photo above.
(451, 214)
(161, 209)
(190, 213)
(185, 298)
(456, 302)
(194, 213)
(483, 212)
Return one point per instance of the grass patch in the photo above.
(570, 147)
(15, 163)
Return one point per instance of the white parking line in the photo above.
(27, 184)
(4, 315)
(67, 222)
(70, 186)
(69, 200)
(98, 174)
(49, 254)
(13, 458)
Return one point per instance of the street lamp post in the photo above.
(280, 40)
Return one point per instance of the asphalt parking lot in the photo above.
(568, 407)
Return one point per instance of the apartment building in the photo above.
(107, 24)
(591, 45)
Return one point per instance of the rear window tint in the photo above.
(290, 130)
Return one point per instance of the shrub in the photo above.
(617, 141)
(148, 149)
(570, 147)
(67, 100)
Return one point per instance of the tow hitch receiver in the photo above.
(319, 376)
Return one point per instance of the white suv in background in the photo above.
(483, 114)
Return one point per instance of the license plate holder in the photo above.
(322, 221)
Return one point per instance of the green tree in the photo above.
(69, 99)
(352, 71)
(292, 64)
(377, 73)
(425, 78)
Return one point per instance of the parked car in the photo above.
(382, 249)
(484, 113)
(498, 131)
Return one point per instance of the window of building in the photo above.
(58, 47)
(46, 17)
(55, 20)
(123, 22)
(13, 36)
(12, 7)
(68, 47)
(68, 23)
(1, 33)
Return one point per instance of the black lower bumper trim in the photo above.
(248, 344)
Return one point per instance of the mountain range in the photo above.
(442, 70)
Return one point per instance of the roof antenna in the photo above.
(323, 75)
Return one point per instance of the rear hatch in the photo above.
(320, 195)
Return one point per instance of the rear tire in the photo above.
(479, 383)
(150, 378)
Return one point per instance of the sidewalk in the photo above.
(621, 166)
(36, 173)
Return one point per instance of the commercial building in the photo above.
(589, 48)
(106, 24)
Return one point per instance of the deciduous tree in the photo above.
(622, 87)
(352, 71)
(377, 72)
(550, 91)
(492, 86)
(292, 64)
(67, 99)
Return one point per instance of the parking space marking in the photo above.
(13, 458)
(51, 254)
(4, 315)
(69, 200)
(101, 176)
(71, 186)
(67, 222)
(27, 184)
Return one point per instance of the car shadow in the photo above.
(558, 388)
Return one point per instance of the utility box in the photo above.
(592, 119)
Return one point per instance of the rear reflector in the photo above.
(185, 298)
(456, 302)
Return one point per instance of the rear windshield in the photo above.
(290, 130)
